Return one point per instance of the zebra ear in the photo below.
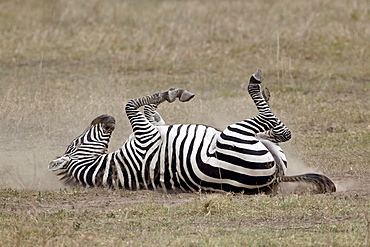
(58, 163)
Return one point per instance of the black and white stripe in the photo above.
(245, 157)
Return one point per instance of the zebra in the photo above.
(243, 158)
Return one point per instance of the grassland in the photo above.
(105, 218)
(62, 63)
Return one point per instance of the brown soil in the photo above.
(95, 199)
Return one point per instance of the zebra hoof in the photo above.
(185, 96)
(172, 94)
(256, 78)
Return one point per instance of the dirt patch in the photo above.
(351, 183)
(88, 199)
(95, 199)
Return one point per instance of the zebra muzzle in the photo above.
(58, 163)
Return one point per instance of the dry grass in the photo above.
(144, 218)
(62, 63)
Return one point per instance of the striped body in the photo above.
(184, 157)
(245, 157)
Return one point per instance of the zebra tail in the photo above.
(322, 183)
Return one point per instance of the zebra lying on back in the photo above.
(245, 157)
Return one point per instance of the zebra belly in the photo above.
(189, 160)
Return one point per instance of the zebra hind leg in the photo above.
(322, 183)
(266, 94)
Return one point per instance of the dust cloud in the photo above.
(296, 166)
(27, 169)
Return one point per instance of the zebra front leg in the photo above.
(142, 127)
(150, 112)
(174, 93)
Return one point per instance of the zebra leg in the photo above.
(239, 146)
(150, 112)
(142, 127)
(266, 94)
(274, 130)
(265, 125)
(279, 133)
(265, 116)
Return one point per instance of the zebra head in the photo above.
(93, 142)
